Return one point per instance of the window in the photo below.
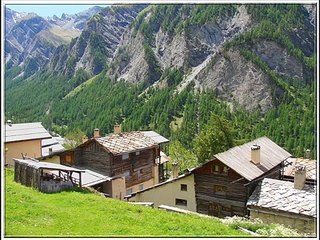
(141, 187)
(126, 174)
(219, 189)
(68, 159)
(125, 156)
(129, 191)
(181, 202)
(225, 170)
(184, 187)
(215, 169)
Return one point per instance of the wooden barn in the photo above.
(38, 175)
(224, 184)
(132, 156)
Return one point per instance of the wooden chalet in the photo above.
(224, 184)
(132, 156)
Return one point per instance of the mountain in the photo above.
(170, 67)
(95, 47)
(31, 40)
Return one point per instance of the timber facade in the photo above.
(221, 191)
(137, 163)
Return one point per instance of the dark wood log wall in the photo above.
(216, 194)
(26, 175)
(137, 168)
(93, 156)
(224, 193)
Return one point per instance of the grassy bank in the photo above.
(80, 213)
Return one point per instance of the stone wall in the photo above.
(302, 224)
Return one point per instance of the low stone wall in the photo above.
(294, 221)
(52, 186)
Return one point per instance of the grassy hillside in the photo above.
(79, 213)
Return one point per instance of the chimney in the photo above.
(117, 128)
(307, 154)
(84, 139)
(175, 169)
(300, 176)
(96, 133)
(50, 151)
(255, 154)
(9, 122)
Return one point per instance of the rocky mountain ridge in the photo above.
(31, 40)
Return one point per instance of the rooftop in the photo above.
(282, 196)
(25, 131)
(52, 143)
(310, 165)
(46, 165)
(239, 158)
(126, 142)
(88, 177)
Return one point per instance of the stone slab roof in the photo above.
(311, 166)
(277, 195)
(126, 142)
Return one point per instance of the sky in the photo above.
(50, 10)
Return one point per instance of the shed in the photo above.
(32, 173)
(277, 201)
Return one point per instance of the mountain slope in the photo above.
(169, 67)
(31, 40)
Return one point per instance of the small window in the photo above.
(125, 156)
(129, 191)
(126, 173)
(225, 170)
(141, 187)
(184, 187)
(219, 189)
(215, 169)
(181, 202)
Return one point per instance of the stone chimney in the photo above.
(300, 176)
(84, 139)
(255, 154)
(117, 128)
(9, 122)
(175, 169)
(96, 133)
(307, 154)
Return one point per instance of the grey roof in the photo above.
(46, 165)
(155, 137)
(89, 178)
(239, 158)
(281, 195)
(52, 143)
(311, 166)
(25, 131)
(126, 142)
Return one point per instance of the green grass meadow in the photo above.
(79, 213)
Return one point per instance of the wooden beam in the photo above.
(242, 178)
(80, 183)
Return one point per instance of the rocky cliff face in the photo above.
(135, 44)
(31, 40)
(198, 51)
(95, 47)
